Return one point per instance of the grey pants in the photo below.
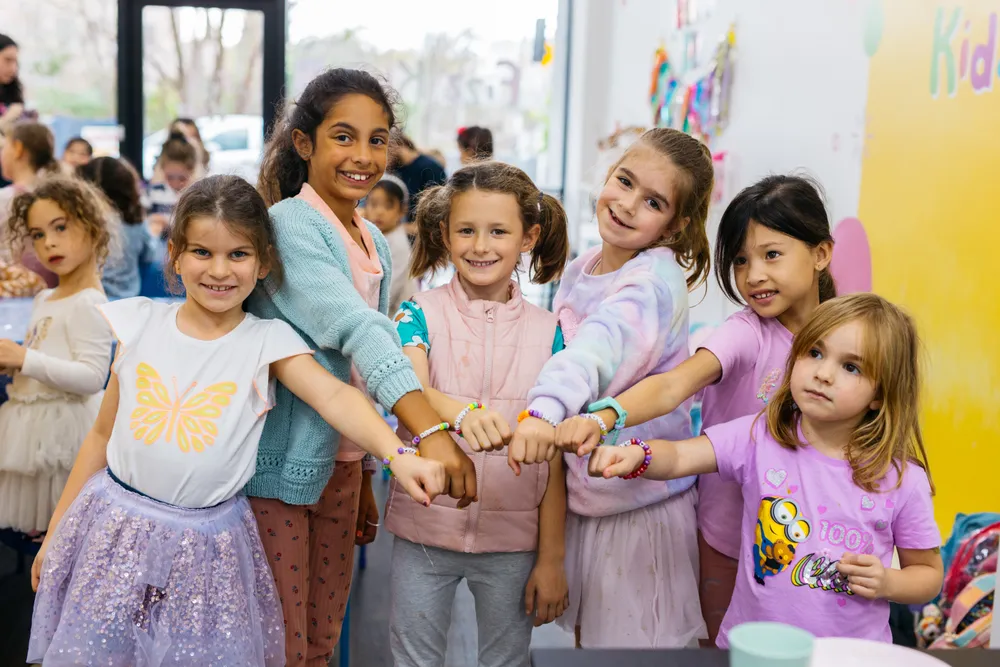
(423, 591)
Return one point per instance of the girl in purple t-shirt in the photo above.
(833, 475)
(772, 252)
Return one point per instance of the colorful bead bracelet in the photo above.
(600, 424)
(443, 426)
(646, 460)
(465, 413)
(387, 461)
(537, 415)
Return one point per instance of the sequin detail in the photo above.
(129, 581)
(764, 393)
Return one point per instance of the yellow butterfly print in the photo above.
(193, 419)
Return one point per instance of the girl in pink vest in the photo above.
(477, 345)
(632, 545)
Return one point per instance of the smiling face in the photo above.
(638, 204)
(486, 237)
(831, 383)
(61, 243)
(349, 154)
(774, 271)
(218, 266)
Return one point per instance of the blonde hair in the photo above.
(694, 160)
(889, 436)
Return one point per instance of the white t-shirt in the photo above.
(190, 412)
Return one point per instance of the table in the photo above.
(706, 658)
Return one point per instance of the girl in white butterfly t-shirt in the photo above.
(152, 550)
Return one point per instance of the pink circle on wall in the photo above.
(852, 259)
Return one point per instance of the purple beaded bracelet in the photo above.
(387, 461)
(443, 426)
(645, 461)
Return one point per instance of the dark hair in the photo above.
(790, 205)
(39, 143)
(694, 160)
(13, 92)
(118, 184)
(477, 139)
(235, 203)
(178, 149)
(200, 148)
(78, 199)
(548, 257)
(401, 138)
(80, 140)
(283, 171)
(394, 191)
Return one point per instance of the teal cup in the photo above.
(769, 645)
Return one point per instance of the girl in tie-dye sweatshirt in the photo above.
(631, 545)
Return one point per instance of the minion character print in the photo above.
(780, 528)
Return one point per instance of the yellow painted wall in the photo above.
(930, 202)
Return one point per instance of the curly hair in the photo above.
(81, 201)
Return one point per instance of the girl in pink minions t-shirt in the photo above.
(477, 345)
(772, 253)
(833, 474)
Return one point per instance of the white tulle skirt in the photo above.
(633, 577)
(38, 443)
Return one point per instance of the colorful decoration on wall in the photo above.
(874, 25)
(696, 101)
(852, 260)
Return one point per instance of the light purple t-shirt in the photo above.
(801, 512)
(753, 352)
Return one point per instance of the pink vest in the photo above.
(488, 352)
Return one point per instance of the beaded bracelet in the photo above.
(646, 460)
(387, 461)
(537, 415)
(465, 413)
(443, 426)
(600, 424)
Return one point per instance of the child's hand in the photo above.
(459, 471)
(423, 478)
(578, 435)
(608, 461)
(485, 430)
(11, 354)
(533, 442)
(546, 596)
(36, 566)
(865, 574)
(367, 512)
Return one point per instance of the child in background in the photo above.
(176, 166)
(475, 143)
(77, 153)
(60, 369)
(309, 492)
(28, 153)
(153, 552)
(189, 129)
(386, 205)
(623, 307)
(773, 253)
(834, 477)
(476, 344)
(121, 273)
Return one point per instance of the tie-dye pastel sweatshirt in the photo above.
(619, 328)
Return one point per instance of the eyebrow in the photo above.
(850, 356)
(61, 218)
(635, 178)
(347, 126)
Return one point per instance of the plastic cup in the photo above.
(769, 645)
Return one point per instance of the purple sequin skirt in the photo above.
(129, 581)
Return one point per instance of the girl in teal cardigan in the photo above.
(323, 157)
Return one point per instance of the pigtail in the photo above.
(548, 257)
(827, 285)
(430, 250)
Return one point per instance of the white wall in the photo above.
(798, 98)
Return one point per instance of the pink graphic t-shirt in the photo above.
(801, 513)
(366, 274)
(753, 352)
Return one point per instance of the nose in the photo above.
(756, 274)
(824, 371)
(481, 244)
(363, 154)
(219, 268)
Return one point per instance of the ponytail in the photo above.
(827, 285)
(429, 249)
(548, 257)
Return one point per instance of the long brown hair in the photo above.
(694, 160)
(548, 257)
(39, 144)
(889, 436)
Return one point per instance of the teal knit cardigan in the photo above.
(317, 297)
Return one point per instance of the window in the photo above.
(233, 140)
